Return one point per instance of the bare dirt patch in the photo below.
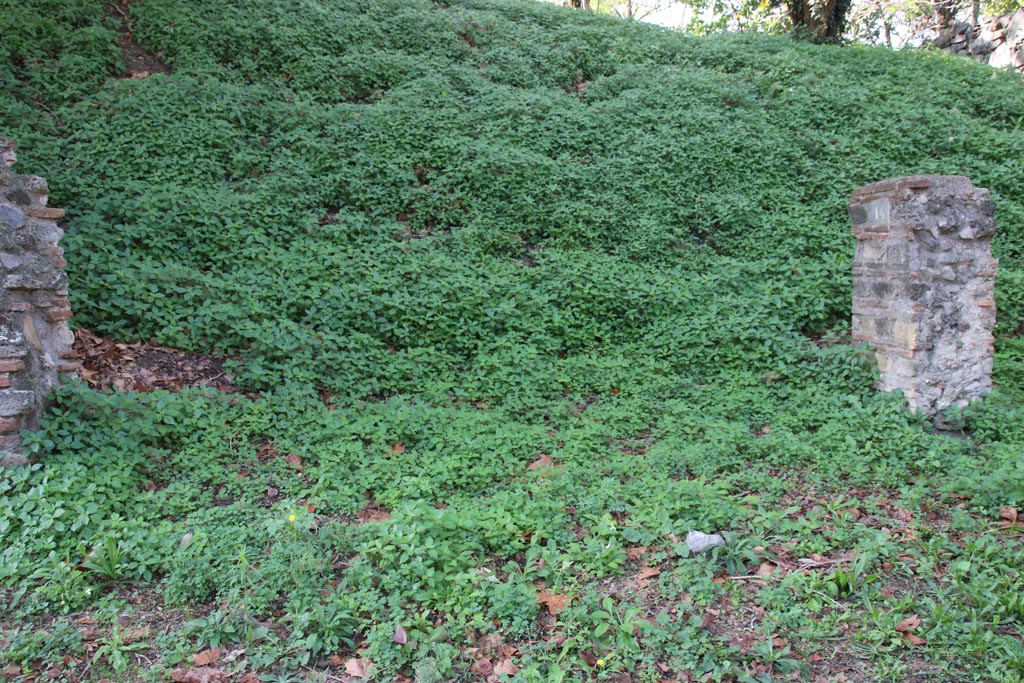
(145, 366)
(138, 62)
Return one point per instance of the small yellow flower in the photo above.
(600, 662)
(291, 518)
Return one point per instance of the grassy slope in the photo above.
(484, 231)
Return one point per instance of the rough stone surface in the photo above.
(34, 337)
(923, 287)
(698, 541)
(998, 42)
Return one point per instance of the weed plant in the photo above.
(518, 296)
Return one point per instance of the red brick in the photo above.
(71, 366)
(21, 306)
(10, 441)
(915, 184)
(45, 212)
(45, 299)
(56, 315)
(10, 424)
(5, 380)
(12, 366)
(869, 197)
(877, 188)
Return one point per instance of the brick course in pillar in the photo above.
(35, 342)
(923, 287)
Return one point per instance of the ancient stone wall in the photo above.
(923, 283)
(998, 41)
(35, 342)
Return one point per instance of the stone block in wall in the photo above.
(35, 341)
(998, 41)
(924, 280)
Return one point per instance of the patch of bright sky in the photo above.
(673, 16)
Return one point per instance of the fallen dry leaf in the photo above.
(916, 641)
(491, 645)
(206, 657)
(400, 637)
(293, 461)
(90, 633)
(506, 667)
(542, 462)
(645, 574)
(358, 667)
(909, 624)
(553, 601)
(1009, 513)
(482, 668)
(902, 515)
(232, 656)
(636, 552)
(199, 674)
(137, 634)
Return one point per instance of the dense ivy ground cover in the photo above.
(520, 296)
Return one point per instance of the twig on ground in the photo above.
(119, 11)
(810, 564)
(834, 602)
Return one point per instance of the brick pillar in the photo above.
(923, 283)
(35, 342)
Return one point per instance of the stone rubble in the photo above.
(999, 42)
(698, 541)
(923, 287)
(35, 341)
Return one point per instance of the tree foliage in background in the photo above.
(893, 23)
(822, 20)
(911, 23)
(819, 20)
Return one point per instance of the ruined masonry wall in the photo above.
(35, 342)
(998, 42)
(924, 281)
